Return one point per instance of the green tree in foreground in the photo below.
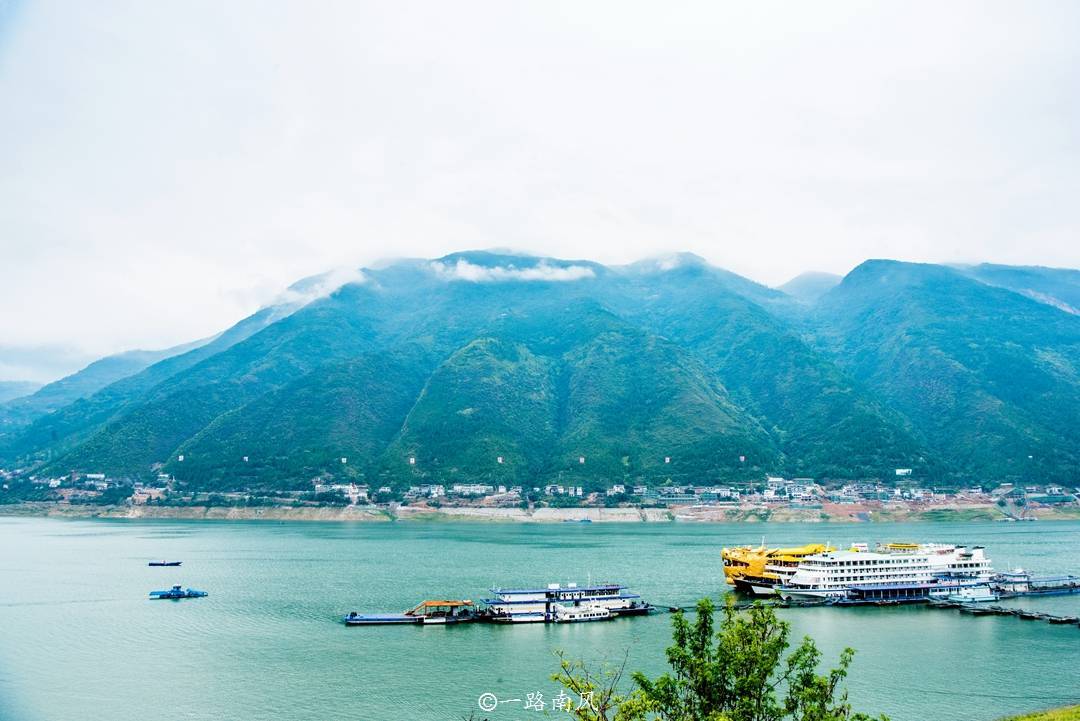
(736, 673)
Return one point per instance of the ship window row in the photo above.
(863, 578)
(888, 563)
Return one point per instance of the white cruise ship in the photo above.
(895, 571)
(969, 564)
(538, 605)
(831, 575)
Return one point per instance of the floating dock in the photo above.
(432, 612)
(1021, 613)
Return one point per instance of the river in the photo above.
(79, 640)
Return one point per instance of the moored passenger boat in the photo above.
(1019, 582)
(780, 566)
(580, 614)
(904, 572)
(758, 571)
(537, 605)
(977, 593)
(742, 561)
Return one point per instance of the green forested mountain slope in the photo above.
(824, 423)
(51, 435)
(181, 406)
(348, 409)
(458, 361)
(989, 376)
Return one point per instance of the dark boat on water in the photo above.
(944, 604)
(176, 593)
(164, 563)
(975, 610)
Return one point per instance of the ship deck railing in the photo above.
(590, 587)
(620, 597)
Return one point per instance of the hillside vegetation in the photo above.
(671, 370)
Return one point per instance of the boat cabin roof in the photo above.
(557, 587)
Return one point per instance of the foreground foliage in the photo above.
(1072, 713)
(738, 672)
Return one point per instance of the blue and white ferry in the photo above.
(540, 605)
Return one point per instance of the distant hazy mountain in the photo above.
(808, 287)
(668, 369)
(1059, 287)
(40, 363)
(42, 400)
(16, 389)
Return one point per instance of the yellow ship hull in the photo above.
(748, 563)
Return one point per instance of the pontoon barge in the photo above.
(426, 612)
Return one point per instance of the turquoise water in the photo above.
(78, 640)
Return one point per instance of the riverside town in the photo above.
(770, 498)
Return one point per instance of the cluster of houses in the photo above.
(87, 481)
(1046, 495)
(439, 491)
(803, 492)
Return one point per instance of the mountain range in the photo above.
(503, 368)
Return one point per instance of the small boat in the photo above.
(577, 520)
(176, 593)
(979, 593)
(580, 614)
(164, 563)
(1030, 615)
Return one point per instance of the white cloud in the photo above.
(320, 286)
(542, 271)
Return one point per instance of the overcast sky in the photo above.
(165, 168)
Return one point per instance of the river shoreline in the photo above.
(678, 514)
